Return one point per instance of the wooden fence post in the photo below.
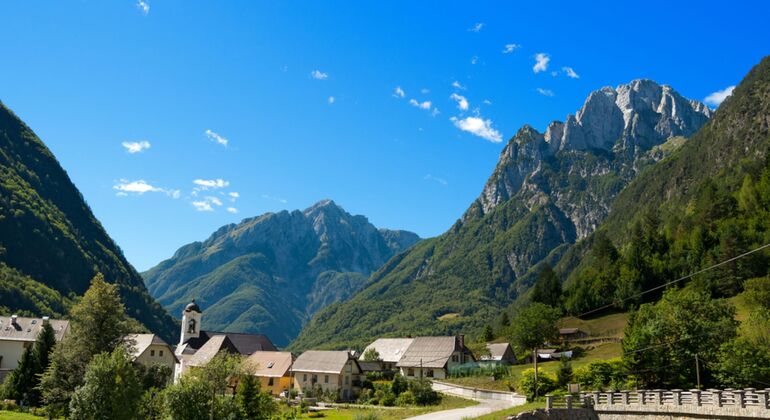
(549, 401)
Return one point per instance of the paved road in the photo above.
(484, 407)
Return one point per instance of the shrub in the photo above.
(545, 383)
(424, 393)
(405, 399)
(602, 374)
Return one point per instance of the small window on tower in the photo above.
(152, 353)
(160, 353)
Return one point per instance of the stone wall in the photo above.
(478, 394)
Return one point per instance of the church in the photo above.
(196, 347)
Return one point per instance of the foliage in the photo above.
(423, 392)
(52, 245)
(547, 288)
(602, 374)
(532, 326)
(156, 376)
(371, 355)
(189, 399)
(564, 373)
(111, 390)
(399, 384)
(406, 399)
(98, 324)
(545, 383)
(254, 404)
(662, 339)
(757, 292)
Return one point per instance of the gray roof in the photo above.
(321, 361)
(429, 352)
(497, 350)
(27, 329)
(270, 363)
(568, 331)
(390, 349)
(142, 341)
(213, 346)
(244, 343)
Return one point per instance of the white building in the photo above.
(18, 333)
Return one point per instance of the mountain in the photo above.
(51, 245)
(547, 191)
(270, 273)
(707, 202)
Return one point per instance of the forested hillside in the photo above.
(51, 245)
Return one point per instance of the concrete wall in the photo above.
(481, 394)
(668, 412)
(11, 352)
(157, 354)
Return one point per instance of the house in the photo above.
(193, 340)
(390, 350)
(335, 371)
(150, 349)
(499, 352)
(18, 333)
(568, 334)
(433, 357)
(273, 368)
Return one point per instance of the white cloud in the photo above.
(462, 103)
(545, 92)
(232, 210)
(436, 179)
(319, 75)
(204, 184)
(509, 48)
(207, 204)
(139, 187)
(434, 112)
(398, 92)
(478, 127)
(474, 59)
(541, 62)
(136, 146)
(216, 138)
(570, 72)
(233, 196)
(487, 102)
(330, 100)
(716, 98)
(422, 105)
(143, 7)
(457, 85)
(477, 27)
(269, 197)
(424, 91)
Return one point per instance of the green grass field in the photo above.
(447, 403)
(503, 414)
(11, 415)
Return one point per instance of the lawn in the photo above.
(611, 325)
(499, 415)
(12, 415)
(448, 402)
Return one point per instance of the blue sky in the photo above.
(186, 76)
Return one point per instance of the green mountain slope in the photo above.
(707, 202)
(270, 273)
(547, 191)
(50, 242)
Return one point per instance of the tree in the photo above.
(217, 375)
(487, 335)
(371, 355)
(504, 320)
(111, 390)
(98, 324)
(757, 292)
(189, 399)
(399, 384)
(532, 326)
(662, 339)
(564, 373)
(547, 289)
(254, 405)
(22, 384)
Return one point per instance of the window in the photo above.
(410, 372)
(152, 353)
(430, 373)
(304, 377)
(454, 358)
(160, 353)
(347, 380)
(270, 365)
(315, 378)
(270, 382)
(326, 379)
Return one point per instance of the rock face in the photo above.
(605, 139)
(547, 191)
(270, 273)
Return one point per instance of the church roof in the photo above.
(192, 306)
(244, 343)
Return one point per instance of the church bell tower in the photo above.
(191, 322)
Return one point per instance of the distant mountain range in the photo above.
(548, 191)
(51, 245)
(271, 273)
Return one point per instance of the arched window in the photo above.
(191, 326)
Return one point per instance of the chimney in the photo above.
(14, 319)
(461, 340)
(45, 319)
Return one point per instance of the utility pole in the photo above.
(697, 369)
(534, 359)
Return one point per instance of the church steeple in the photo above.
(191, 322)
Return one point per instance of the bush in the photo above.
(388, 399)
(424, 393)
(405, 399)
(545, 383)
(601, 375)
